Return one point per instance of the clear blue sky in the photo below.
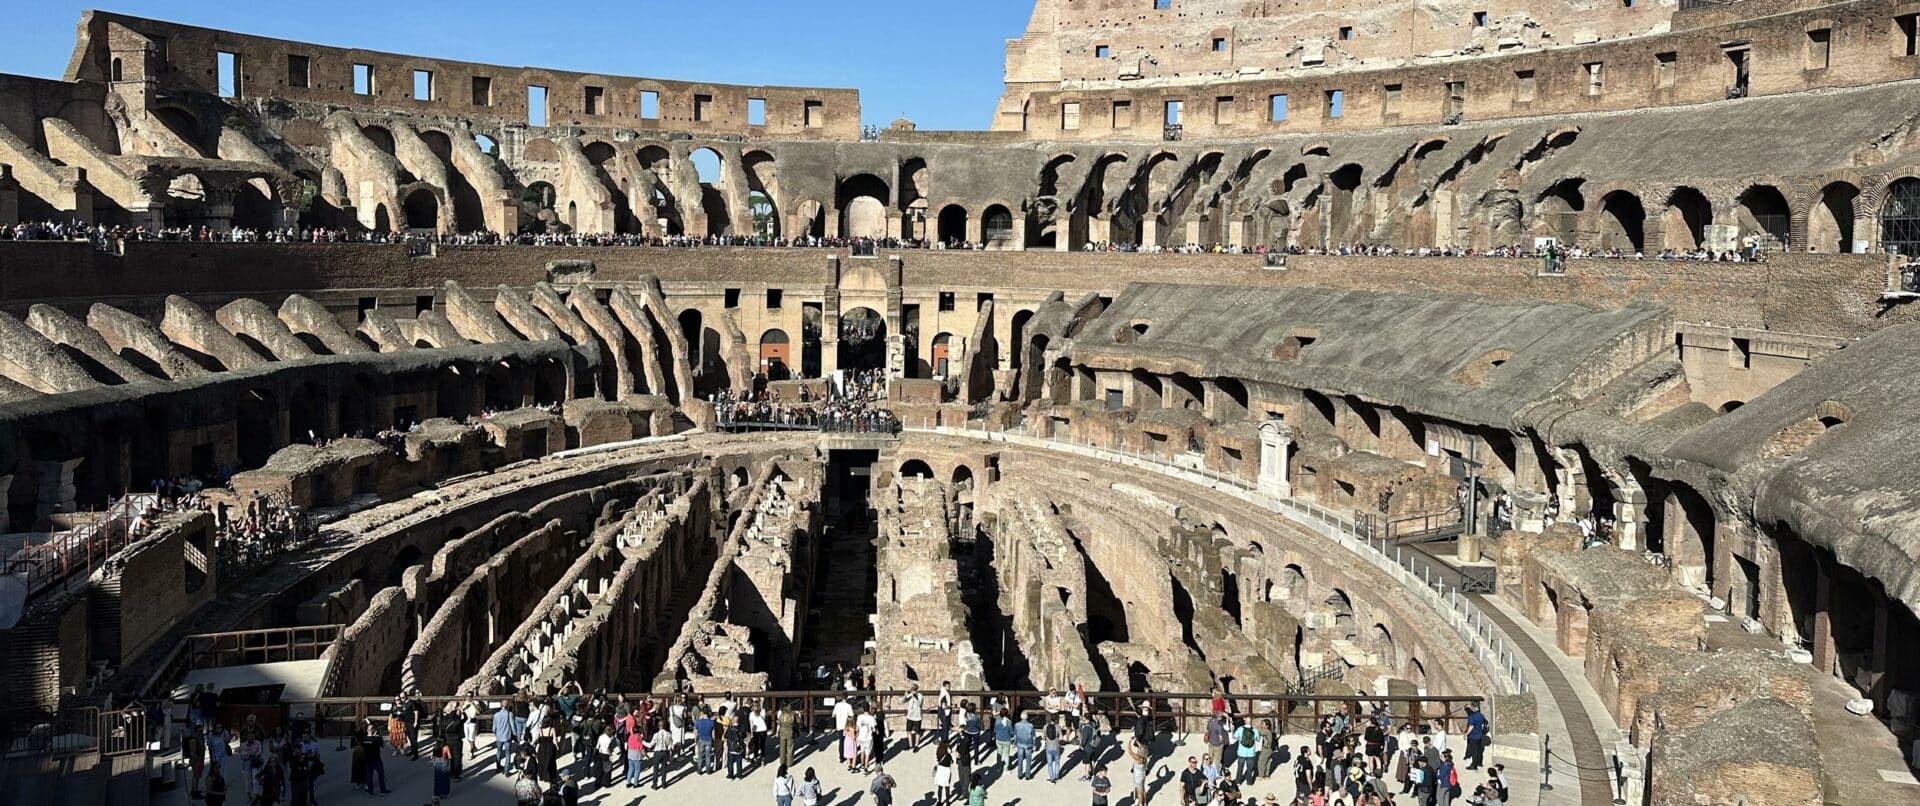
(938, 63)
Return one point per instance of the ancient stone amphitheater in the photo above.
(1558, 359)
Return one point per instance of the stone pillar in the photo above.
(56, 491)
(1824, 656)
(1019, 243)
(1237, 232)
(1062, 232)
(1629, 518)
(1149, 231)
(1275, 441)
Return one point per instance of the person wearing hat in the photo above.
(568, 791)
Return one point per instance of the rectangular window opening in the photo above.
(756, 111)
(299, 72)
(1123, 114)
(1819, 48)
(1906, 29)
(1102, 51)
(1219, 44)
(649, 105)
(1664, 69)
(423, 85)
(229, 74)
(815, 114)
(775, 297)
(1223, 110)
(1740, 353)
(1336, 103)
(1174, 110)
(702, 107)
(363, 80)
(1522, 86)
(1277, 108)
(1162, 5)
(482, 91)
(1070, 116)
(592, 99)
(1390, 99)
(1479, 19)
(1596, 79)
(536, 105)
(733, 298)
(1346, 33)
(946, 300)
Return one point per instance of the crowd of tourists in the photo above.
(555, 749)
(853, 402)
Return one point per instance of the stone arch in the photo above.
(1830, 218)
(996, 227)
(1686, 218)
(1341, 615)
(951, 224)
(1622, 222)
(1557, 210)
(763, 207)
(915, 468)
(1762, 211)
(421, 209)
(1900, 217)
(1384, 645)
(862, 200)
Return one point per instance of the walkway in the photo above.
(1589, 767)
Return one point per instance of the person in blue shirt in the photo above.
(503, 738)
(1476, 736)
(1003, 740)
(1023, 748)
(703, 743)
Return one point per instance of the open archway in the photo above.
(1762, 213)
(422, 210)
(1830, 222)
(1686, 219)
(952, 224)
(863, 340)
(862, 200)
(1622, 222)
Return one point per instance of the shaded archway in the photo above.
(952, 224)
(996, 226)
(1830, 222)
(1762, 212)
(1622, 222)
(915, 469)
(1686, 219)
(863, 340)
(422, 210)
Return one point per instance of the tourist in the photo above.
(943, 776)
(503, 739)
(636, 754)
(216, 794)
(1051, 745)
(703, 727)
(912, 705)
(1101, 786)
(376, 769)
(1003, 740)
(1217, 736)
(443, 772)
(1023, 744)
(661, 744)
(782, 788)
(1247, 745)
(977, 791)
(1192, 780)
(809, 789)
(1137, 753)
(881, 787)
(1477, 733)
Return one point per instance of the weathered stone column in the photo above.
(1822, 637)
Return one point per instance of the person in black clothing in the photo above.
(1191, 780)
(449, 730)
(412, 713)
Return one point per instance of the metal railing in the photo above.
(1487, 643)
(79, 731)
(1292, 714)
(277, 645)
(77, 552)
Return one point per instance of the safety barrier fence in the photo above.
(1183, 713)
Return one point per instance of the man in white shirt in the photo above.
(842, 714)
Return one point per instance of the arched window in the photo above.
(1900, 218)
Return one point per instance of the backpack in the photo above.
(1248, 737)
(1282, 755)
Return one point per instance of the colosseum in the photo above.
(1278, 402)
